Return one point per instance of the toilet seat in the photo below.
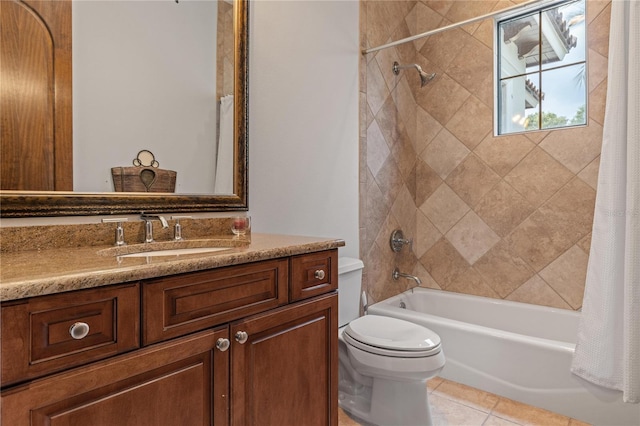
(391, 337)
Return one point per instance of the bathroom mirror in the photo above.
(26, 203)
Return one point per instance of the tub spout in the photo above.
(396, 274)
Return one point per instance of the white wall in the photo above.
(303, 138)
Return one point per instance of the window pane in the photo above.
(519, 103)
(519, 46)
(565, 94)
(563, 35)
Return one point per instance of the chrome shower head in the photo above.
(424, 77)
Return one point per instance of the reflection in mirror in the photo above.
(542, 69)
(135, 107)
(151, 75)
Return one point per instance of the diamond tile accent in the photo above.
(503, 153)
(443, 99)
(376, 210)
(537, 243)
(598, 69)
(378, 267)
(444, 263)
(474, 59)
(502, 270)
(463, 10)
(585, 243)
(472, 237)
(538, 177)
(503, 208)
(562, 145)
(423, 19)
(444, 208)
(389, 180)
(471, 123)
(382, 18)
(589, 174)
(406, 109)
(426, 235)
(404, 210)
(404, 154)
(444, 153)
(538, 292)
(426, 180)
(377, 90)
(426, 126)
(425, 277)
(598, 30)
(389, 123)
(570, 212)
(377, 149)
(567, 275)
(389, 224)
(472, 179)
(470, 282)
(597, 103)
(438, 46)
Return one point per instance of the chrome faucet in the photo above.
(148, 225)
(396, 274)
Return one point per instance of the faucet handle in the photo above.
(177, 230)
(119, 229)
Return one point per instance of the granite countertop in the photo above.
(39, 272)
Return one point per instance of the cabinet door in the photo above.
(182, 382)
(286, 371)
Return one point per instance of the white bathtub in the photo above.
(516, 350)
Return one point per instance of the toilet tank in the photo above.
(349, 287)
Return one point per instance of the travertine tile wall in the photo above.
(505, 217)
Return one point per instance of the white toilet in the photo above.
(384, 362)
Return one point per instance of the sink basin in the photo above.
(175, 252)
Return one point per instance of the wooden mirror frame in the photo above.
(67, 203)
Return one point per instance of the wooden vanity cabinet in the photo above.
(277, 366)
(182, 382)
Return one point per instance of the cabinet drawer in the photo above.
(313, 274)
(181, 304)
(37, 333)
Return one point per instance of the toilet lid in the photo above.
(393, 334)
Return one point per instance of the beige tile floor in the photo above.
(454, 404)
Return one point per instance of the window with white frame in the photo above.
(541, 68)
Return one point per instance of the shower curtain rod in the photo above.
(451, 26)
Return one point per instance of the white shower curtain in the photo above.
(608, 349)
(224, 164)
